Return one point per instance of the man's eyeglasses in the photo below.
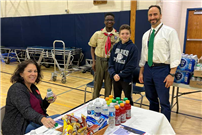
(109, 20)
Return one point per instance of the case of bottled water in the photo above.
(182, 77)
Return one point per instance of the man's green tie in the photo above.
(150, 49)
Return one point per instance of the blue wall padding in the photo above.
(36, 31)
(63, 28)
(11, 32)
(82, 35)
(141, 26)
(74, 29)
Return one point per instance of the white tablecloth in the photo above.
(145, 120)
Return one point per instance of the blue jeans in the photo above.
(33, 126)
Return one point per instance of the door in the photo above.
(194, 32)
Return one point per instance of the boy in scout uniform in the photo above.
(101, 44)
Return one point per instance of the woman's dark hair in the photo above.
(124, 26)
(20, 69)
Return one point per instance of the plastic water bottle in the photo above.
(111, 116)
(93, 110)
(98, 109)
(186, 79)
(193, 78)
(49, 95)
(189, 62)
(89, 109)
(198, 79)
(103, 103)
(196, 59)
(198, 67)
(105, 110)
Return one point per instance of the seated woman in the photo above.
(25, 109)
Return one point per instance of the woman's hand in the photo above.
(48, 122)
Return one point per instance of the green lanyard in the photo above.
(154, 34)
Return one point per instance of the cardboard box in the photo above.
(196, 84)
(198, 73)
(200, 60)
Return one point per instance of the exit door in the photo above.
(193, 34)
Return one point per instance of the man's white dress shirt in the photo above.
(166, 47)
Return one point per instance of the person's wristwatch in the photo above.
(173, 75)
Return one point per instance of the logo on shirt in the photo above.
(120, 54)
(115, 37)
(38, 92)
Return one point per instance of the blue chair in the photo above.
(137, 89)
(91, 85)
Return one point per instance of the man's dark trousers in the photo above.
(155, 88)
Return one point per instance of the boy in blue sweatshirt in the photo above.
(122, 62)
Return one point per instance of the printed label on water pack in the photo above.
(97, 114)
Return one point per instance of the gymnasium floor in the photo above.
(187, 122)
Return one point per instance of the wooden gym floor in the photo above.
(187, 122)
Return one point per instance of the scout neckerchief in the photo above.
(108, 43)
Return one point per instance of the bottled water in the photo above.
(190, 62)
(196, 59)
(105, 110)
(98, 109)
(111, 116)
(198, 79)
(186, 78)
(89, 109)
(198, 67)
(193, 78)
(104, 102)
(49, 95)
(93, 110)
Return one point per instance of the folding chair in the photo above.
(137, 89)
(91, 85)
(3, 109)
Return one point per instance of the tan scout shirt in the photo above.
(98, 40)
